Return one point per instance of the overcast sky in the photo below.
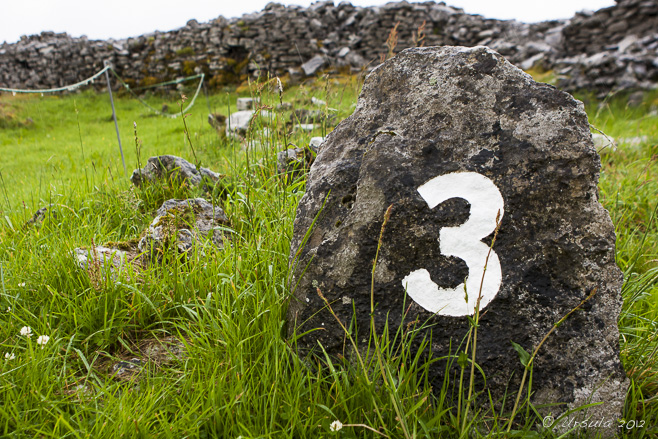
(103, 19)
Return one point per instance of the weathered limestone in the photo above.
(460, 142)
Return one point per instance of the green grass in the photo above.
(239, 376)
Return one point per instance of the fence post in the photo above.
(114, 114)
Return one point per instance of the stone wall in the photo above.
(613, 48)
(283, 39)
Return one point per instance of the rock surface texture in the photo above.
(453, 138)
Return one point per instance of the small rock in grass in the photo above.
(318, 102)
(312, 66)
(103, 256)
(636, 99)
(315, 143)
(244, 104)
(294, 162)
(601, 142)
(183, 224)
(40, 215)
(217, 121)
(306, 126)
(127, 370)
(240, 121)
(174, 168)
(303, 116)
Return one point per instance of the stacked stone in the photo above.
(593, 32)
(614, 48)
(51, 60)
(630, 64)
(281, 39)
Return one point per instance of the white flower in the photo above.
(279, 85)
(9, 356)
(336, 425)
(22, 284)
(42, 340)
(26, 331)
(9, 309)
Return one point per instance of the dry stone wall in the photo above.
(283, 39)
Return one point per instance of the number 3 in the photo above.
(463, 242)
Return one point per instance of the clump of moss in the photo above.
(128, 245)
(185, 51)
(148, 80)
(9, 119)
(540, 74)
(189, 67)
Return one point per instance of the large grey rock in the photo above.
(172, 167)
(183, 224)
(452, 137)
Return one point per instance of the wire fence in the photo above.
(131, 90)
(105, 71)
(163, 84)
(71, 87)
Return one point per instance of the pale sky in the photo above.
(104, 19)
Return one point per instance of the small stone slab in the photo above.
(313, 65)
(244, 104)
(456, 139)
(239, 122)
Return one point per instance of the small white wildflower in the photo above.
(278, 83)
(9, 356)
(22, 284)
(336, 425)
(26, 331)
(9, 309)
(42, 340)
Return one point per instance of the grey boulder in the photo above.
(458, 141)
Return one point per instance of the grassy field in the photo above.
(226, 308)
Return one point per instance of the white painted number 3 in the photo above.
(463, 242)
